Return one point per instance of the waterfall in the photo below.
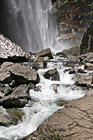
(31, 24)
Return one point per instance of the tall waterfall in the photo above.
(31, 24)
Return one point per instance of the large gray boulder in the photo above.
(44, 53)
(20, 73)
(89, 66)
(84, 80)
(52, 75)
(23, 74)
(19, 98)
(88, 57)
(75, 51)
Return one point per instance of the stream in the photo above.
(44, 102)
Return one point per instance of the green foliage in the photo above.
(91, 4)
(90, 13)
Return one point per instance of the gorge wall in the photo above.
(73, 16)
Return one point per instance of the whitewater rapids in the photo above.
(43, 102)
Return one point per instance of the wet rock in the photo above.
(83, 80)
(75, 51)
(10, 51)
(86, 58)
(46, 58)
(5, 90)
(52, 75)
(41, 59)
(34, 87)
(73, 59)
(39, 65)
(61, 54)
(81, 71)
(12, 84)
(6, 119)
(67, 70)
(22, 74)
(72, 54)
(89, 66)
(72, 72)
(18, 114)
(61, 103)
(19, 98)
(44, 53)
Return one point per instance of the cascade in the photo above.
(30, 23)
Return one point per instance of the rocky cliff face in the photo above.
(87, 41)
(73, 19)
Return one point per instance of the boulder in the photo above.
(19, 98)
(6, 119)
(16, 113)
(74, 71)
(80, 70)
(34, 87)
(22, 74)
(72, 54)
(41, 59)
(10, 51)
(89, 66)
(39, 65)
(52, 75)
(83, 80)
(5, 77)
(44, 53)
(75, 51)
(5, 90)
(73, 59)
(88, 57)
